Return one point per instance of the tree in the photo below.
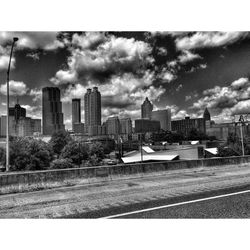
(194, 134)
(76, 151)
(59, 140)
(29, 154)
(97, 150)
(2, 156)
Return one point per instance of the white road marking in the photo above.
(175, 204)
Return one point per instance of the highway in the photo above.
(110, 199)
(230, 205)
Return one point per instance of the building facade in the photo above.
(146, 125)
(146, 109)
(164, 117)
(113, 126)
(186, 125)
(92, 108)
(78, 128)
(76, 112)
(52, 116)
(126, 126)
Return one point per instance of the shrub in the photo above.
(226, 152)
(62, 164)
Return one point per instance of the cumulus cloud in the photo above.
(4, 62)
(32, 40)
(208, 39)
(33, 55)
(16, 88)
(37, 94)
(99, 56)
(162, 51)
(122, 95)
(166, 75)
(73, 91)
(188, 56)
(176, 112)
(233, 99)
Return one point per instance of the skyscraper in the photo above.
(146, 109)
(92, 106)
(51, 111)
(76, 111)
(206, 115)
(164, 117)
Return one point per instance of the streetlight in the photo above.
(15, 39)
(241, 120)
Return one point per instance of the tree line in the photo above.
(60, 152)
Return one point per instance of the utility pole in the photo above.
(241, 120)
(15, 39)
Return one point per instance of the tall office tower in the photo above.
(76, 111)
(146, 109)
(113, 125)
(206, 115)
(95, 107)
(164, 117)
(51, 111)
(126, 126)
(87, 109)
(92, 105)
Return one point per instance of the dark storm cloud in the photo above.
(112, 102)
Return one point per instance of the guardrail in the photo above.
(105, 173)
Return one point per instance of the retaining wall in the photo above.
(104, 173)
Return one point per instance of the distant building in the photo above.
(126, 126)
(113, 126)
(52, 115)
(206, 115)
(164, 117)
(79, 128)
(146, 125)
(19, 124)
(186, 125)
(12, 126)
(76, 112)
(92, 107)
(146, 109)
(17, 112)
(28, 126)
(25, 126)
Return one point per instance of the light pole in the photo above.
(15, 39)
(241, 120)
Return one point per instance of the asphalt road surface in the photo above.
(232, 205)
(120, 196)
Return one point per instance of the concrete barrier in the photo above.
(105, 173)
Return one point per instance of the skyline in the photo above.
(184, 71)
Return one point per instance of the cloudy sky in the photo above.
(184, 71)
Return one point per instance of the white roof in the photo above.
(213, 151)
(148, 149)
(194, 142)
(148, 157)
